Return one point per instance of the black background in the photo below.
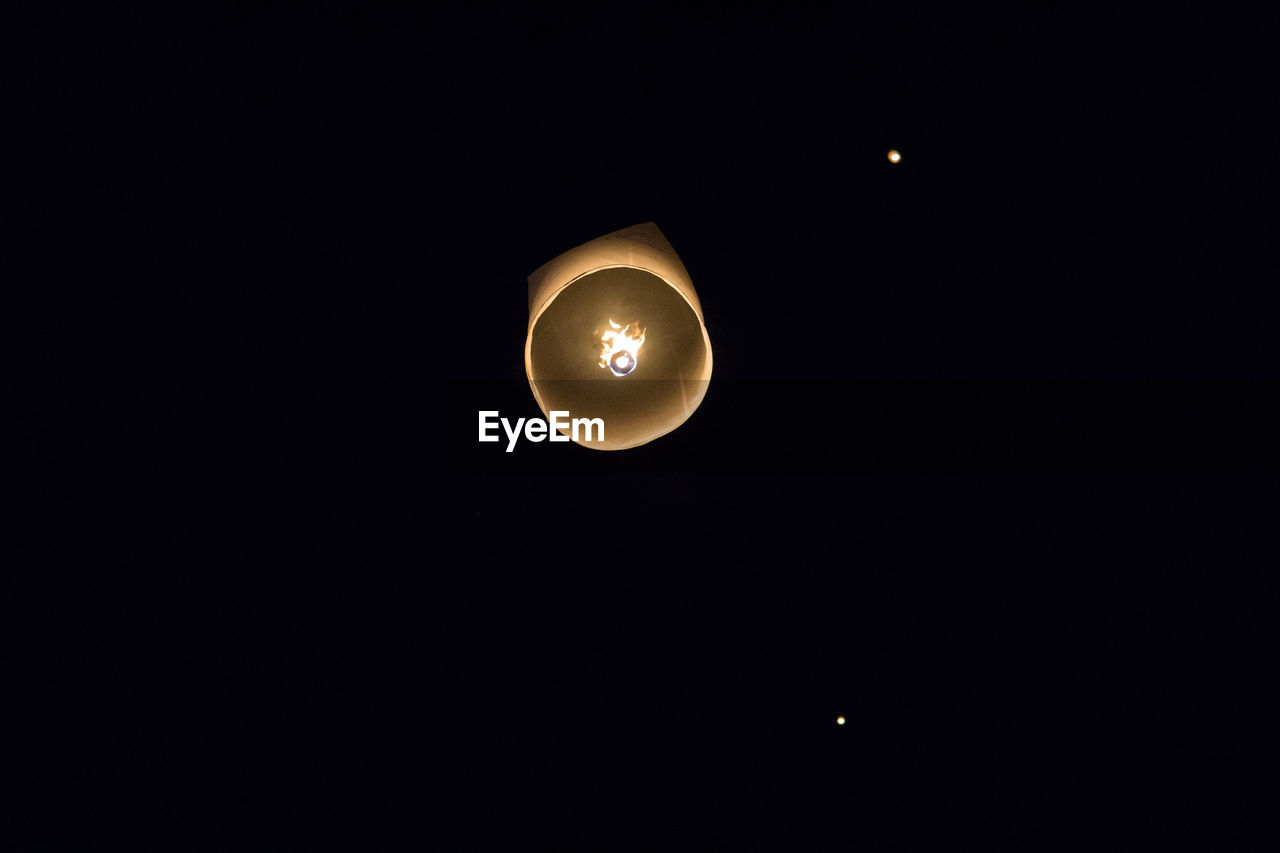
(986, 465)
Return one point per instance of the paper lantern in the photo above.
(616, 333)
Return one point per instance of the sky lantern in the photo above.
(616, 333)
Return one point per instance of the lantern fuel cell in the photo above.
(616, 333)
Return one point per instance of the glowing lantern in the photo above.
(616, 333)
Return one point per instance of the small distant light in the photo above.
(894, 156)
(839, 721)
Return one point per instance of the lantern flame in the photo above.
(621, 345)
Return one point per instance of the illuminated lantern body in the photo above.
(616, 333)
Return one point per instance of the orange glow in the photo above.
(621, 348)
(894, 156)
(839, 721)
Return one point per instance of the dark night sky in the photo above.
(986, 465)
